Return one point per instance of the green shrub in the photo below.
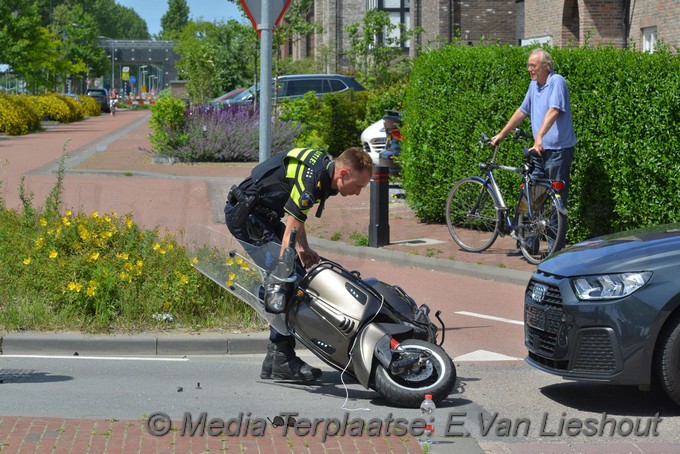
(17, 115)
(390, 97)
(77, 111)
(91, 106)
(626, 168)
(168, 124)
(57, 107)
(332, 123)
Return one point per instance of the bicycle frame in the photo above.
(480, 213)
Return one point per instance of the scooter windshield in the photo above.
(243, 274)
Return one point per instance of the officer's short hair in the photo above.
(356, 159)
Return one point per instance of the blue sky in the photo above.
(211, 10)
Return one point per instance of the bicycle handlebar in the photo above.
(519, 134)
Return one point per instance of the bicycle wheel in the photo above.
(542, 230)
(471, 215)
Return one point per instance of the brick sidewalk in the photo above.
(60, 435)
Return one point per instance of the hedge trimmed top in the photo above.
(626, 111)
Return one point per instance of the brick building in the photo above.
(639, 23)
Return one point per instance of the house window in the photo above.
(649, 39)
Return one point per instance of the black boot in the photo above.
(287, 366)
(266, 372)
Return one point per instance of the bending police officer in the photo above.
(290, 184)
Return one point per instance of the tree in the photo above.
(175, 19)
(78, 32)
(19, 29)
(375, 44)
(295, 26)
(215, 57)
(112, 20)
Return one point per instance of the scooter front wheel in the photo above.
(435, 374)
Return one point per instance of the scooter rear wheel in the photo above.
(437, 376)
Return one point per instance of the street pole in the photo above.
(266, 31)
(112, 66)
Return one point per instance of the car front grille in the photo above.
(592, 352)
(543, 318)
(378, 144)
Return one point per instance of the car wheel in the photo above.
(669, 360)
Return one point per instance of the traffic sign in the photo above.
(277, 8)
(133, 79)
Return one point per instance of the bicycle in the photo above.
(113, 105)
(476, 213)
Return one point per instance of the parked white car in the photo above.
(373, 140)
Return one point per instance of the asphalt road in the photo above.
(497, 403)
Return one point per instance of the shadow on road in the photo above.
(331, 385)
(611, 399)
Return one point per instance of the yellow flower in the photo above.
(194, 260)
(139, 264)
(39, 242)
(128, 266)
(229, 261)
(84, 234)
(232, 276)
(123, 255)
(156, 246)
(65, 221)
(75, 286)
(27, 261)
(169, 247)
(183, 279)
(230, 283)
(91, 288)
(43, 222)
(161, 251)
(107, 234)
(94, 256)
(53, 254)
(95, 214)
(68, 213)
(128, 223)
(125, 276)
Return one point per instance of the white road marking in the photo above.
(491, 317)
(110, 358)
(484, 355)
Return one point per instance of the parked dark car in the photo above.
(608, 310)
(296, 85)
(223, 99)
(102, 97)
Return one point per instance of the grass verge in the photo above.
(100, 273)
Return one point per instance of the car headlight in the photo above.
(609, 286)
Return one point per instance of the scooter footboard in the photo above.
(374, 341)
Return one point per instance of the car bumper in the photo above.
(592, 341)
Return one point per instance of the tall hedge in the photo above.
(626, 111)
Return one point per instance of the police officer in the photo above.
(290, 183)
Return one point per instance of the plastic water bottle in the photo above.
(427, 408)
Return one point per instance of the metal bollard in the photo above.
(379, 225)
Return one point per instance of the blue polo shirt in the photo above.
(536, 104)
